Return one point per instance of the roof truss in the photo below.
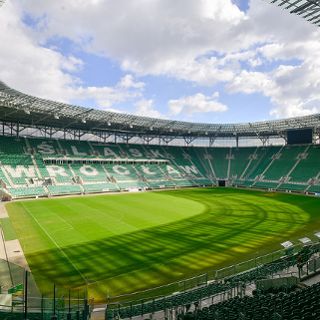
(307, 9)
(25, 109)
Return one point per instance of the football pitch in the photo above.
(116, 244)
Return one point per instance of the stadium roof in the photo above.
(28, 110)
(308, 9)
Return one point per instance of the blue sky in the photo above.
(242, 4)
(193, 60)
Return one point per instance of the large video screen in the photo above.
(301, 136)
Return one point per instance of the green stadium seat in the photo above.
(22, 162)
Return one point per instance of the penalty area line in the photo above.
(55, 243)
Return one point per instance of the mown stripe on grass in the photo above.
(8, 231)
(131, 242)
(54, 242)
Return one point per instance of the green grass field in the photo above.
(128, 242)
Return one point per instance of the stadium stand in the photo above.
(84, 164)
(292, 187)
(262, 161)
(315, 188)
(282, 163)
(219, 158)
(308, 165)
(31, 167)
(240, 159)
(64, 189)
(302, 304)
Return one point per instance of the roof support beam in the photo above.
(167, 140)
(80, 116)
(304, 8)
(264, 140)
(189, 139)
(147, 138)
(212, 140)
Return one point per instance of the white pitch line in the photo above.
(66, 222)
(3, 211)
(55, 243)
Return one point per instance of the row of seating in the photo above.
(45, 315)
(295, 168)
(301, 304)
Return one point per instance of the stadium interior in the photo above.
(81, 160)
(52, 149)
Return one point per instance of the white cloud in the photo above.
(195, 104)
(128, 82)
(264, 50)
(292, 90)
(150, 36)
(291, 61)
(251, 82)
(29, 67)
(298, 90)
(145, 107)
(127, 89)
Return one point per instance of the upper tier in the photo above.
(19, 107)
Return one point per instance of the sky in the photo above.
(220, 61)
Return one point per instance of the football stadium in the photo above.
(107, 215)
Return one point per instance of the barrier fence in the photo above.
(21, 299)
(202, 279)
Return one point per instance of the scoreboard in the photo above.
(299, 136)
